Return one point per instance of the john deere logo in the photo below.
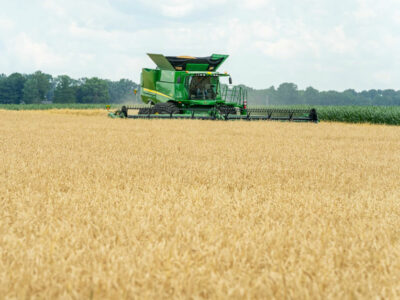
(205, 102)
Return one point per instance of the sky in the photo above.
(329, 45)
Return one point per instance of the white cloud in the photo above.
(182, 8)
(282, 48)
(337, 41)
(396, 17)
(366, 10)
(6, 24)
(261, 30)
(54, 7)
(30, 52)
(383, 77)
(255, 4)
(365, 13)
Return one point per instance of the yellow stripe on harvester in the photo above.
(155, 92)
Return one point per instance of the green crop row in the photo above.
(361, 114)
(354, 114)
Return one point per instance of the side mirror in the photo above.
(230, 80)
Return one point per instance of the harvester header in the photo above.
(187, 87)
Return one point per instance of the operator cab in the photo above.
(202, 87)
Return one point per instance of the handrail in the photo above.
(236, 95)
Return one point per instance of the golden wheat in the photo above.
(99, 208)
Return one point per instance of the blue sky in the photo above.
(321, 43)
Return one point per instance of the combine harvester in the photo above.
(185, 87)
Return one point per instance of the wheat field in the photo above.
(95, 208)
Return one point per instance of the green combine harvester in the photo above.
(186, 87)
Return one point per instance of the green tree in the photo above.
(270, 95)
(311, 96)
(93, 90)
(43, 83)
(16, 82)
(65, 90)
(31, 92)
(3, 89)
(287, 93)
(36, 87)
(122, 90)
(11, 88)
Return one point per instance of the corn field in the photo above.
(100, 208)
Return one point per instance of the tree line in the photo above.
(289, 94)
(40, 87)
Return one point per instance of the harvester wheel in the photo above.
(124, 111)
